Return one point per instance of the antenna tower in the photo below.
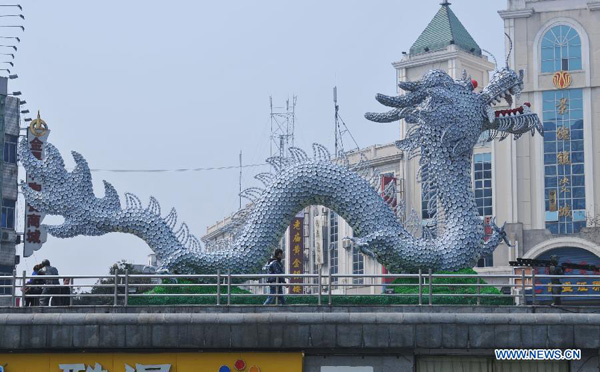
(283, 121)
(340, 128)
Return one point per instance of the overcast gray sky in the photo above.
(186, 84)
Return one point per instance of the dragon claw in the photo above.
(362, 246)
(500, 231)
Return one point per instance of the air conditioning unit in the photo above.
(9, 236)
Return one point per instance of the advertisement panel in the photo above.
(153, 362)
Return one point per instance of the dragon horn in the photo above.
(409, 99)
(409, 86)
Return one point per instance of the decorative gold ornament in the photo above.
(561, 79)
(38, 127)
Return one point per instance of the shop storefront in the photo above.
(152, 362)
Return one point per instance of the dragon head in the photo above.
(452, 114)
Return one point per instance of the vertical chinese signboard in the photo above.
(35, 234)
(296, 259)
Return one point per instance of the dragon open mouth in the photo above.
(523, 109)
(508, 95)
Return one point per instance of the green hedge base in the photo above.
(410, 294)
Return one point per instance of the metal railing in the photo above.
(225, 289)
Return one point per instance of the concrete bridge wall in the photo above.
(387, 341)
(297, 331)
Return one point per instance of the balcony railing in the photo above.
(311, 289)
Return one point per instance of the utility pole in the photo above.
(240, 179)
(336, 121)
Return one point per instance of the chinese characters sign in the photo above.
(34, 233)
(151, 362)
(564, 161)
(296, 259)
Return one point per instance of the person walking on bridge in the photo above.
(47, 269)
(275, 267)
(555, 269)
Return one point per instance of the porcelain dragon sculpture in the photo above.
(445, 117)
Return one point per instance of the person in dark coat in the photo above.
(555, 269)
(47, 292)
(275, 267)
(31, 289)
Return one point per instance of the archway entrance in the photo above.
(572, 286)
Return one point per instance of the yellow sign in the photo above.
(152, 362)
(38, 127)
(561, 79)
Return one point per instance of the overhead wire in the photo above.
(176, 170)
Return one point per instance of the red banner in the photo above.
(296, 259)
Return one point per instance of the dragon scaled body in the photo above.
(446, 119)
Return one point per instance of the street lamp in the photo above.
(8, 54)
(9, 46)
(11, 37)
(5, 69)
(10, 63)
(13, 76)
(17, 93)
(13, 15)
(22, 103)
(24, 111)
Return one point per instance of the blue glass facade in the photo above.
(482, 177)
(333, 242)
(561, 49)
(564, 178)
(483, 183)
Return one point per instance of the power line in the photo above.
(176, 170)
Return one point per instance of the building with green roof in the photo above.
(444, 29)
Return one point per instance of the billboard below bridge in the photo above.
(153, 362)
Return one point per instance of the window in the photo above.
(5, 290)
(10, 148)
(333, 242)
(426, 213)
(358, 264)
(564, 178)
(561, 49)
(482, 176)
(8, 213)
